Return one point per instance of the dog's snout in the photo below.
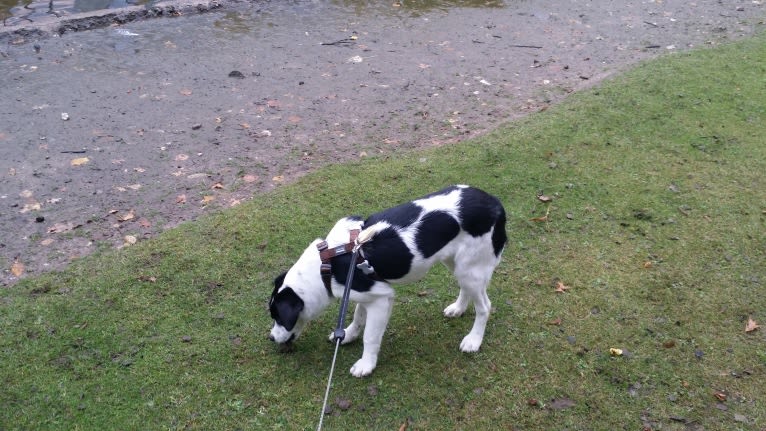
(271, 337)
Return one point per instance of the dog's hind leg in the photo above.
(378, 313)
(356, 327)
(473, 280)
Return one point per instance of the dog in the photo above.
(461, 226)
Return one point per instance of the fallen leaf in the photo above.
(149, 278)
(185, 92)
(217, 186)
(79, 161)
(130, 239)
(648, 264)
(181, 199)
(207, 199)
(134, 186)
(751, 325)
(181, 157)
(544, 198)
(17, 268)
(250, 178)
(539, 219)
(61, 227)
(720, 395)
(561, 287)
(555, 322)
(278, 179)
(126, 217)
(139, 170)
(615, 352)
(31, 206)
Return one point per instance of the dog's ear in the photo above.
(279, 281)
(286, 308)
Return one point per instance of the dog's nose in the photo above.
(271, 338)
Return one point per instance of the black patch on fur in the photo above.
(340, 265)
(479, 211)
(388, 254)
(436, 229)
(499, 237)
(285, 307)
(402, 215)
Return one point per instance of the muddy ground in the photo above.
(110, 135)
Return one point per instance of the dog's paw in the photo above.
(454, 310)
(348, 337)
(362, 368)
(471, 343)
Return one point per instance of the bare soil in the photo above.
(115, 129)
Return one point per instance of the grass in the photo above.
(657, 225)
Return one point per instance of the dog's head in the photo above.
(286, 307)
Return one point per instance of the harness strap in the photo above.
(326, 254)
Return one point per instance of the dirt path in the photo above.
(111, 135)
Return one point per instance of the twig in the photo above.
(342, 42)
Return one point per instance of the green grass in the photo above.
(657, 225)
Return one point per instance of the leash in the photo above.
(339, 334)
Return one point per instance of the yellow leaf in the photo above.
(751, 325)
(561, 287)
(130, 239)
(615, 352)
(79, 161)
(17, 268)
(181, 199)
(126, 217)
(207, 199)
(278, 179)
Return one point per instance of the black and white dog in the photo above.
(460, 226)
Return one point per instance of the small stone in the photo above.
(196, 126)
(236, 74)
(186, 338)
(343, 403)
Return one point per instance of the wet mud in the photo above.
(112, 135)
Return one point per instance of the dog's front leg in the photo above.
(355, 328)
(378, 312)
